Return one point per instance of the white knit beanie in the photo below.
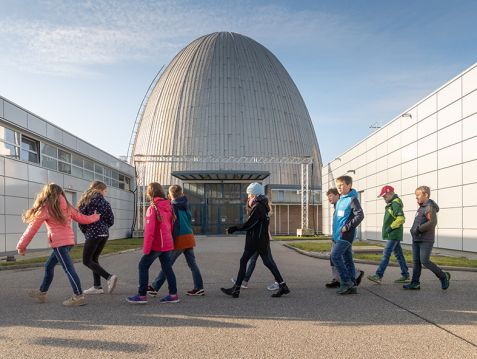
(255, 189)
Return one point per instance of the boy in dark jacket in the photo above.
(392, 232)
(423, 234)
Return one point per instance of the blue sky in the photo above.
(86, 65)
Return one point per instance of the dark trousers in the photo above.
(146, 262)
(421, 253)
(92, 249)
(267, 260)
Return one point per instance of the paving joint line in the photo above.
(422, 318)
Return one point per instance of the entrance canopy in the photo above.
(221, 175)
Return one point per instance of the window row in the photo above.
(19, 146)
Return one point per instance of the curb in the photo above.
(36, 265)
(364, 261)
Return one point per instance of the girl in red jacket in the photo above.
(52, 207)
(158, 242)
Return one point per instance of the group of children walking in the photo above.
(348, 215)
(168, 234)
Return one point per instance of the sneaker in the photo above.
(353, 290)
(333, 284)
(137, 299)
(151, 291)
(244, 283)
(112, 283)
(375, 278)
(75, 301)
(345, 288)
(170, 298)
(412, 286)
(196, 292)
(445, 282)
(273, 286)
(93, 290)
(359, 277)
(403, 279)
(37, 294)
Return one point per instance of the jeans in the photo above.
(342, 257)
(190, 258)
(146, 262)
(92, 249)
(334, 272)
(392, 246)
(267, 260)
(61, 255)
(421, 253)
(251, 266)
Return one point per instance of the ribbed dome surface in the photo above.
(226, 95)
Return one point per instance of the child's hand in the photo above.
(21, 251)
(99, 214)
(343, 229)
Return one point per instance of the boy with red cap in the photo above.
(393, 232)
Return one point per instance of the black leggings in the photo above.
(92, 249)
(267, 260)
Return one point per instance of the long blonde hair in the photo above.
(94, 188)
(50, 197)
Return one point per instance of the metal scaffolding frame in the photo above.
(141, 161)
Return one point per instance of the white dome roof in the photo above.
(226, 95)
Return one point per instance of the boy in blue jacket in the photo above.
(348, 215)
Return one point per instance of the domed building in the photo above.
(222, 114)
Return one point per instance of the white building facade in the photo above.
(433, 143)
(34, 152)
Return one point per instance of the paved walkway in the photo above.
(312, 322)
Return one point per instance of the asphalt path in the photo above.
(381, 321)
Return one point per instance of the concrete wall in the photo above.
(433, 143)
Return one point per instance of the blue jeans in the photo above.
(190, 258)
(146, 262)
(392, 246)
(342, 257)
(421, 253)
(61, 255)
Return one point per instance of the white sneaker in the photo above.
(273, 286)
(75, 301)
(244, 283)
(112, 283)
(93, 290)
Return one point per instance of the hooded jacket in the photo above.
(257, 238)
(59, 234)
(158, 228)
(182, 228)
(424, 227)
(348, 214)
(100, 228)
(393, 219)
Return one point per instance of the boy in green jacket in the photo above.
(393, 233)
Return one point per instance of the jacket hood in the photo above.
(161, 202)
(352, 194)
(431, 203)
(180, 202)
(261, 199)
(393, 198)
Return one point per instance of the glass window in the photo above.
(8, 150)
(49, 150)
(77, 171)
(29, 150)
(64, 167)
(98, 168)
(107, 172)
(64, 156)
(89, 165)
(9, 135)
(115, 175)
(88, 175)
(77, 160)
(114, 183)
(49, 162)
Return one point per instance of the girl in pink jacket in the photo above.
(52, 207)
(158, 243)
